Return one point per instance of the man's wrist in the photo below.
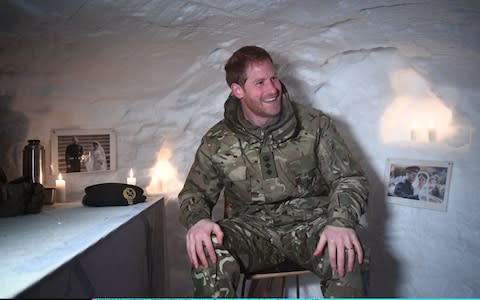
(341, 222)
(195, 220)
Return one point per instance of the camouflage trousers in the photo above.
(249, 246)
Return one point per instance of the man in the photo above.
(294, 190)
(73, 154)
(404, 188)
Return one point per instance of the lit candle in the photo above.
(413, 131)
(131, 180)
(60, 191)
(432, 134)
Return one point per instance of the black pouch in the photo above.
(21, 196)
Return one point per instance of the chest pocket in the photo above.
(237, 181)
(304, 173)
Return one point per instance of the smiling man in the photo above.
(294, 190)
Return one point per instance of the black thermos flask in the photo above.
(34, 161)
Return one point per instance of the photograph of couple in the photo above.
(418, 181)
(83, 153)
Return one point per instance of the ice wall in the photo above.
(153, 71)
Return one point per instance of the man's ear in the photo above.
(237, 90)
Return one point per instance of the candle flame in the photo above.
(131, 173)
(59, 176)
(414, 124)
(413, 98)
(164, 176)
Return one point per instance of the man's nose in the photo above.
(271, 87)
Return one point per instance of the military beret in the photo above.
(112, 194)
(412, 169)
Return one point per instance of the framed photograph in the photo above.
(83, 150)
(418, 183)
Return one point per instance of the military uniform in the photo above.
(284, 182)
(73, 154)
(405, 190)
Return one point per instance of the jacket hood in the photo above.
(282, 128)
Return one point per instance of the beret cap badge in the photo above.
(129, 194)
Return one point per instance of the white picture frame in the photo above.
(433, 194)
(105, 140)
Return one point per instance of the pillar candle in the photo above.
(432, 134)
(413, 131)
(60, 189)
(131, 180)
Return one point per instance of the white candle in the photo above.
(432, 135)
(413, 131)
(131, 180)
(60, 189)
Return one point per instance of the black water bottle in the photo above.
(34, 161)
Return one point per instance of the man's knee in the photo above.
(219, 279)
(352, 284)
(349, 285)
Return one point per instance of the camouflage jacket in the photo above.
(293, 170)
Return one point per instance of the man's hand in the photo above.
(339, 240)
(200, 235)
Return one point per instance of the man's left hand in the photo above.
(340, 240)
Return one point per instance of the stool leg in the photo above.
(243, 285)
(252, 288)
(298, 286)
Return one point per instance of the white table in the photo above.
(69, 250)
